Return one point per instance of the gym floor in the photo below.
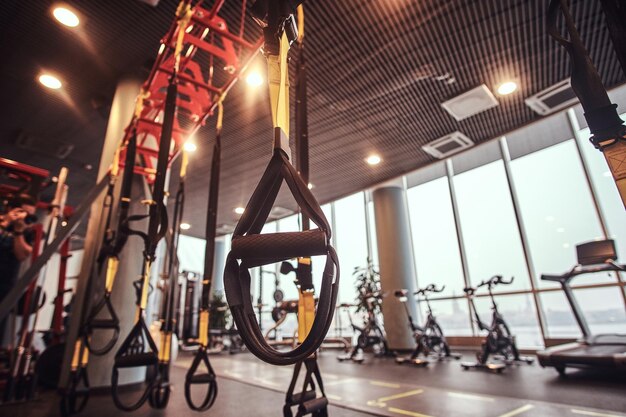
(380, 387)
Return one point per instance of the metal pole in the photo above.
(530, 266)
(459, 236)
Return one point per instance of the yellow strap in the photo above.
(143, 94)
(300, 23)
(220, 114)
(112, 264)
(204, 328)
(115, 165)
(184, 14)
(84, 360)
(615, 156)
(145, 286)
(76, 354)
(183, 164)
(306, 313)
(166, 345)
(278, 71)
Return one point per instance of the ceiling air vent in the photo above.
(552, 99)
(448, 145)
(38, 144)
(279, 212)
(470, 103)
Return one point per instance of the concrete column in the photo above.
(130, 262)
(219, 264)
(395, 255)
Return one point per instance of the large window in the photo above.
(556, 206)
(435, 242)
(489, 228)
(351, 242)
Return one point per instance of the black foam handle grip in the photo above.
(136, 360)
(317, 404)
(280, 245)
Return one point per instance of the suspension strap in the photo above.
(103, 316)
(208, 377)
(607, 129)
(132, 353)
(249, 247)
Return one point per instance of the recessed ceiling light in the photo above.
(310, 186)
(190, 147)
(50, 81)
(254, 79)
(506, 88)
(65, 16)
(185, 226)
(239, 210)
(373, 159)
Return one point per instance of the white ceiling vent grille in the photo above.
(470, 103)
(448, 145)
(552, 99)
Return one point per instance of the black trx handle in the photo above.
(604, 122)
(131, 353)
(254, 249)
(208, 377)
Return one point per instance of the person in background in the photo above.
(16, 239)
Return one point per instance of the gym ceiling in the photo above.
(378, 73)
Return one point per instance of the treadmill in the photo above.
(592, 351)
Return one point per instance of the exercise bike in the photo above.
(431, 343)
(499, 343)
(371, 335)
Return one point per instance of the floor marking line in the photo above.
(406, 412)
(401, 395)
(594, 413)
(333, 397)
(385, 384)
(338, 381)
(518, 411)
(470, 396)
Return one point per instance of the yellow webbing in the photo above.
(166, 345)
(300, 23)
(145, 285)
(84, 360)
(76, 354)
(183, 164)
(220, 114)
(115, 164)
(184, 14)
(112, 264)
(278, 76)
(306, 308)
(615, 156)
(204, 328)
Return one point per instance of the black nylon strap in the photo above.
(237, 277)
(586, 83)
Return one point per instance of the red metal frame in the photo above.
(209, 47)
(21, 173)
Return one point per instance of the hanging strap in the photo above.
(607, 129)
(132, 353)
(103, 315)
(208, 377)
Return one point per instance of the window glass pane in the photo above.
(603, 308)
(452, 316)
(609, 199)
(558, 314)
(190, 254)
(556, 206)
(373, 238)
(435, 242)
(519, 314)
(490, 234)
(351, 242)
